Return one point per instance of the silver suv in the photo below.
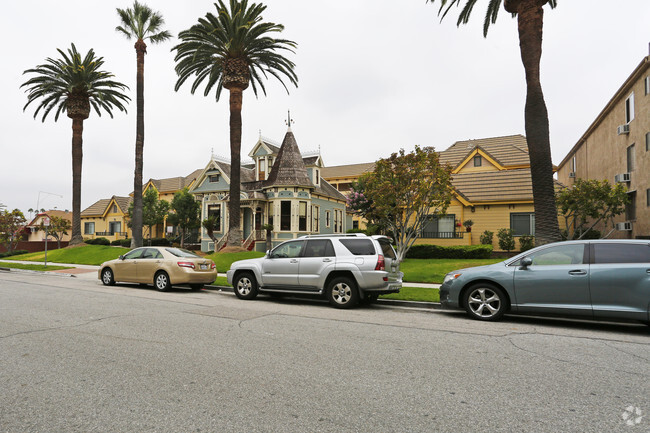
(345, 269)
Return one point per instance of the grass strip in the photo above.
(32, 267)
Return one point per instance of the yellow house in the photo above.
(34, 233)
(492, 188)
(342, 177)
(106, 218)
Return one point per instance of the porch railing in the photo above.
(443, 235)
(110, 233)
(221, 242)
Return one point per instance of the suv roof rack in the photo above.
(337, 235)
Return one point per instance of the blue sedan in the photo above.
(595, 279)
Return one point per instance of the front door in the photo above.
(281, 267)
(557, 282)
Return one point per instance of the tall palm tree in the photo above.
(530, 19)
(74, 84)
(232, 50)
(140, 23)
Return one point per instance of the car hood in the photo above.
(480, 269)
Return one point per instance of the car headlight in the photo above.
(451, 276)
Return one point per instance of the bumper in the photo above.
(193, 277)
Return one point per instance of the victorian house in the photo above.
(281, 187)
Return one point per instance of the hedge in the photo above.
(98, 241)
(13, 253)
(451, 252)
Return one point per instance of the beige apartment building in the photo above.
(616, 147)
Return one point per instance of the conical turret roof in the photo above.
(289, 168)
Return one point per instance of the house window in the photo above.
(261, 174)
(285, 215)
(631, 160)
(302, 216)
(114, 227)
(315, 211)
(270, 216)
(647, 84)
(573, 164)
(214, 210)
(213, 178)
(478, 161)
(317, 177)
(647, 141)
(439, 227)
(630, 207)
(338, 221)
(647, 197)
(89, 228)
(355, 225)
(114, 209)
(629, 108)
(327, 218)
(522, 223)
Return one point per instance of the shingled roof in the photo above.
(99, 207)
(508, 151)
(289, 167)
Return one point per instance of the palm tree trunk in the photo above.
(77, 157)
(530, 17)
(136, 224)
(234, 232)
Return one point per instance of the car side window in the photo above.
(359, 247)
(571, 254)
(287, 250)
(319, 248)
(621, 253)
(135, 254)
(151, 253)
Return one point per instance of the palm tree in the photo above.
(140, 23)
(530, 21)
(74, 85)
(230, 51)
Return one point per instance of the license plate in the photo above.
(204, 267)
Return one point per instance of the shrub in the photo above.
(487, 237)
(506, 240)
(98, 241)
(451, 252)
(126, 243)
(13, 253)
(526, 242)
(160, 242)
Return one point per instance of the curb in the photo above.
(29, 271)
(391, 302)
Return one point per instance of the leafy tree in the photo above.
(232, 50)
(402, 192)
(487, 237)
(154, 211)
(530, 16)
(506, 239)
(11, 225)
(588, 203)
(526, 242)
(185, 212)
(58, 228)
(140, 23)
(73, 84)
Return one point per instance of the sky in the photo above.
(374, 77)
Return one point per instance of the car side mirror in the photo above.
(121, 257)
(525, 262)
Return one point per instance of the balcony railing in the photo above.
(110, 233)
(443, 235)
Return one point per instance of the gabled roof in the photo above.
(100, 208)
(51, 213)
(508, 152)
(173, 184)
(350, 170)
(289, 168)
(265, 143)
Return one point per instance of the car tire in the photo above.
(246, 286)
(196, 287)
(161, 281)
(485, 301)
(107, 277)
(342, 292)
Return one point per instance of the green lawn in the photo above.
(420, 294)
(434, 270)
(32, 267)
(82, 255)
(224, 260)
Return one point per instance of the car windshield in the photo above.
(179, 252)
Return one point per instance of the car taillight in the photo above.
(381, 264)
(213, 266)
(185, 264)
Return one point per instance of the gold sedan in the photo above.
(162, 266)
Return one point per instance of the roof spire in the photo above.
(289, 120)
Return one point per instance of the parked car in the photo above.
(595, 279)
(343, 268)
(160, 266)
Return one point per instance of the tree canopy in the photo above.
(185, 212)
(11, 225)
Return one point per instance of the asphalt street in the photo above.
(77, 356)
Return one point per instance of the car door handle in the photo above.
(578, 272)
(293, 261)
(327, 260)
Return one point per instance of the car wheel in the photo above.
(196, 287)
(342, 293)
(246, 286)
(107, 277)
(485, 301)
(161, 281)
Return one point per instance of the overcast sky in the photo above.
(374, 76)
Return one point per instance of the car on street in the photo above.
(346, 269)
(591, 279)
(163, 267)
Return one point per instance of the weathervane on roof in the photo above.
(289, 120)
